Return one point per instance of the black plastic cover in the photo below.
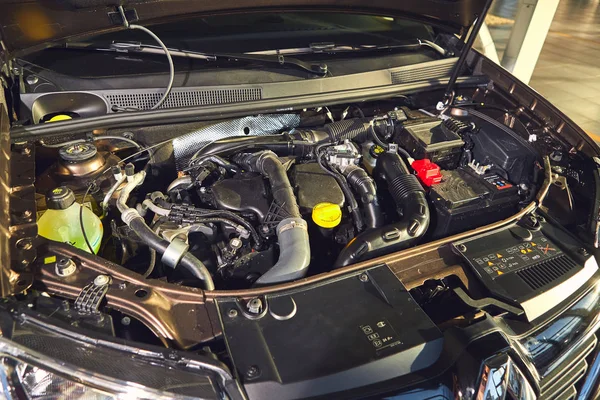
(246, 193)
(313, 186)
(434, 141)
(496, 146)
(518, 264)
(355, 331)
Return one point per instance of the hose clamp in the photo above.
(291, 223)
(174, 252)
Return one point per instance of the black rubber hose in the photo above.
(268, 164)
(284, 144)
(366, 189)
(411, 206)
(355, 129)
(188, 261)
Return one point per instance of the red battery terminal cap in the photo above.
(428, 173)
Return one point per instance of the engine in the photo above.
(300, 199)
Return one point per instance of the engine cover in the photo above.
(246, 193)
(314, 186)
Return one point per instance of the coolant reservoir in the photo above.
(61, 221)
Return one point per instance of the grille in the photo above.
(547, 271)
(182, 98)
(430, 71)
(560, 385)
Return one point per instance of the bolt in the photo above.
(232, 313)
(26, 151)
(30, 305)
(461, 247)
(26, 214)
(66, 306)
(583, 251)
(363, 277)
(32, 79)
(122, 285)
(24, 244)
(102, 280)
(252, 372)
(65, 267)
(255, 306)
(126, 321)
(264, 228)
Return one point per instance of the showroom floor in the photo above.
(568, 70)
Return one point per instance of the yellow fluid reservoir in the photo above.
(327, 215)
(61, 223)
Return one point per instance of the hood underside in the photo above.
(30, 25)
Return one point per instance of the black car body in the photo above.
(334, 200)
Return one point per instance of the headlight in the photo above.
(32, 375)
(501, 379)
(20, 379)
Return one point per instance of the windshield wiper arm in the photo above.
(332, 47)
(278, 59)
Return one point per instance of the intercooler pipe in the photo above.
(411, 206)
(292, 231)
(174, 253)
(364, 186)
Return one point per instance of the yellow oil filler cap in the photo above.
(60, 117)
(327, 215)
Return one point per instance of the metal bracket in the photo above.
(485, 302)
(116, 17)
(89, 299)
(174, 252)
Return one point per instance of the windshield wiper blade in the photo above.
(319, 69)
(324, 47)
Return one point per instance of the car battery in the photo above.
(465, 200)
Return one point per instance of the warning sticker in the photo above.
(381, 335)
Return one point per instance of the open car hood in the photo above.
(31, 25)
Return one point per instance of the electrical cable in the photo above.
(155, 227)
(167, 53)
(81, 225)
(94, 139)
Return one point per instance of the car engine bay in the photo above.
(216, 235)
(272, 207)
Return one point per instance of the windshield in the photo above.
(311, 36)
(265, 31)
